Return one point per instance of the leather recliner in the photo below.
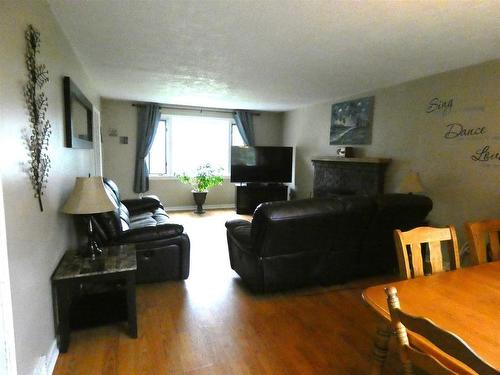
(321, 241)
(163, 249)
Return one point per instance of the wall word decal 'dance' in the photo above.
(37, 141)
(456, 130)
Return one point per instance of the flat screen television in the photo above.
(261, 164)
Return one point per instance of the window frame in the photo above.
(167, 120)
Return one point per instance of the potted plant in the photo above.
(205, 178)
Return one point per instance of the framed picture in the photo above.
(352, 122)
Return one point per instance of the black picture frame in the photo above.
(73, 97)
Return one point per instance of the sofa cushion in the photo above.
(309, 225)
(151, 233)
(161, 216)
(408, 207)
(149, 219)
(393, 211)
(145, 204)
(124, 214)
(112, 191)
(110, 223)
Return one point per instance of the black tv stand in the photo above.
(249, 196)
(254, 184)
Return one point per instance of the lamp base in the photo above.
(91, 250)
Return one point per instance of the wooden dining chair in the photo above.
(411, 244)
(483, 236)
(443, 340)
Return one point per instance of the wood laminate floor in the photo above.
(211, 324)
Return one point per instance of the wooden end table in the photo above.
(117, 263)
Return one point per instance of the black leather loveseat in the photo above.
(162, 246)
(321, 241)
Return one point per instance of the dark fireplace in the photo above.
(348, 176)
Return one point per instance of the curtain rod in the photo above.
(200, 109)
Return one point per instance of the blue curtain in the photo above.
(244, 122)
(148, 118)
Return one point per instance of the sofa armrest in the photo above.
(145, 204)
(231, 224)
(151, 233)
(240, 230)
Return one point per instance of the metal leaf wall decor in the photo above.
(39, 131)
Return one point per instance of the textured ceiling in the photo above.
(271, 54)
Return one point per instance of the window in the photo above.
(183, 143)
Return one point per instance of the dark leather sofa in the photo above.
(321, 241)
(162, 246)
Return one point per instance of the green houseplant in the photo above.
(205, 178)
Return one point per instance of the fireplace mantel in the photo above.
(336, 159)
(336, 175)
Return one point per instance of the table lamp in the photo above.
(89, 197)
(411, 184)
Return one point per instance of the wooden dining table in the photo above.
(465, 301)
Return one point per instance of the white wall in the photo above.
(462, 189)
(36, 240)
(7, 341)
(119, 159)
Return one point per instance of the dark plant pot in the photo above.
(199, 199)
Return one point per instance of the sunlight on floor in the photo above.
(211, 278)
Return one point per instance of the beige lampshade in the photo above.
(411, 184)
(88, 197)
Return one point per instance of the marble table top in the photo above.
(113, 259)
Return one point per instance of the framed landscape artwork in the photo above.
(352, 122)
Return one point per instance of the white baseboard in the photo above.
(52, 357)
(47, 363)
(205, 206)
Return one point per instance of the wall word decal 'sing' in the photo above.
(456, 130)
(40, 129)
(440, 105)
